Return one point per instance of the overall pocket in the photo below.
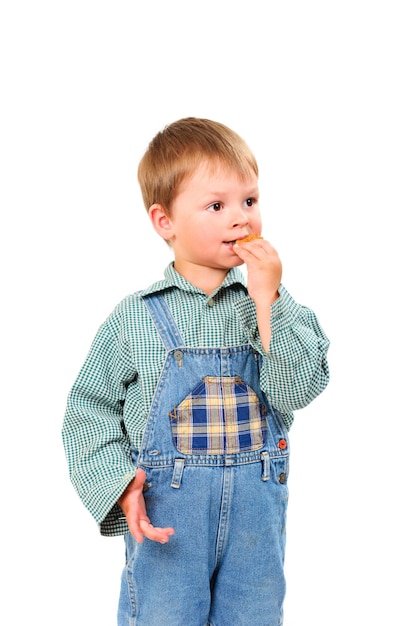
(222, 415)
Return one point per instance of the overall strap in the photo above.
(163, 320)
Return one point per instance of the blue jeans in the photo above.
(225, 495)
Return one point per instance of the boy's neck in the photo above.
(203, 278)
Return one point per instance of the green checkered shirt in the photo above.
(110, 400)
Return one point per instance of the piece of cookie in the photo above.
(249, 238)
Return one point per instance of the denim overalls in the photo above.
(216, 461)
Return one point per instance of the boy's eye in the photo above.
(215, 206)
(250, 201)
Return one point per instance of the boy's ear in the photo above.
(160, 221)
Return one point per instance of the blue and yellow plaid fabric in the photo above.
(222, 415)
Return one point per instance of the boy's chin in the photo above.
(236, 261)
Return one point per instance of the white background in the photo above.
(324, 93)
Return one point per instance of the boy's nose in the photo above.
(239, 217)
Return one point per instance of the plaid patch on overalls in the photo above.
(222, 415)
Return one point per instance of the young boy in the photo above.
(176, 430)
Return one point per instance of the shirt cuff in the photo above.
(283, 312)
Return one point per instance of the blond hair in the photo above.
(175, 153)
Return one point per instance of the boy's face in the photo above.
(212, 210)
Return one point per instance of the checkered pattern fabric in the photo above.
(117, 382)
(221, 416)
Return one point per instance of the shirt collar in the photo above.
(173, 279)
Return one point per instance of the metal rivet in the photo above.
(282, 478)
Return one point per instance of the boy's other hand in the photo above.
(133, 506)
(264, 269)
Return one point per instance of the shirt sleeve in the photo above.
(96, 446)
(295, 370)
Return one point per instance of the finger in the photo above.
(257, 248)
(155, 533)
(246, 252)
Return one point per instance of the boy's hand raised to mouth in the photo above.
(264, 269)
